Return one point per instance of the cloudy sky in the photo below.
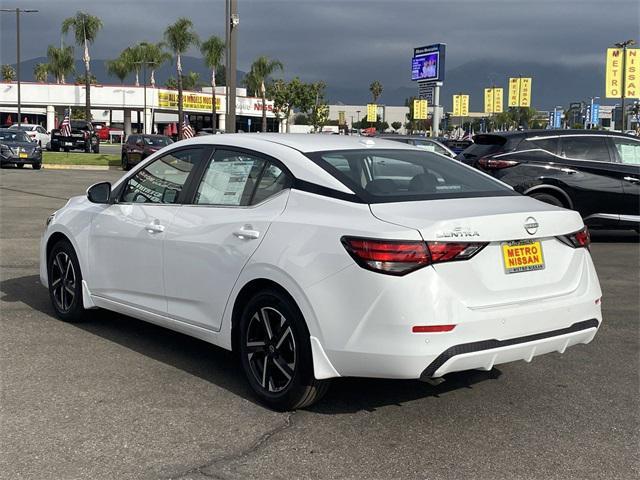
(352, 42)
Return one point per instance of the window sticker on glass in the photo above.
(224, 183)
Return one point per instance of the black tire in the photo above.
(548, 198)
(87, 147)
(65, 282)
(96, 148)
(277, 360)
(55, 149)
(20, 165)
(36, 166)
(125, 162)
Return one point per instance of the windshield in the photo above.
(157, 141)
(404, 175)
(13, 136)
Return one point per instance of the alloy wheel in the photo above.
(271, 349)
(63, 281)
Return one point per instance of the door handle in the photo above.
(155, 227)
(632, 179)
(247, 233)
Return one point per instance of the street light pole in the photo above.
(623, 46)
(18, 11)
(144, 64)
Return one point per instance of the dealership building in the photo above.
(123, 106)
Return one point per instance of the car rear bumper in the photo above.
(68, 142)
(483, 355)
(378, 341)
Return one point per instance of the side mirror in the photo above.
(99, 192)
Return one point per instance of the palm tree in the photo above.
(133, 57)
(179, 37)
(213, 52)
(376, 90)
(118, 68)
(191, 80)
(154, 55)
(85, 29)
(261, 69)
(61, 62)
(8, 73)
(41, 72)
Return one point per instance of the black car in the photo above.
(139, 146)
(16, 148)
(83, 137)
(594, 172)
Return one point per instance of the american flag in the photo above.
(65, 127)
(187, 129)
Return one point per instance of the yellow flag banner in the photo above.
(372, 112)
(341, 117)
(420, 109)
(488, 100)
(514, 92)
(525, 92)
(632, 64)
(613, 77)
(498, 101)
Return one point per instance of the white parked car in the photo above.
(325, 256)
(36, 133)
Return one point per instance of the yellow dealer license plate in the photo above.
(23, 155)
(522, 256)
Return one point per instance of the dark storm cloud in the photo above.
(352, 42)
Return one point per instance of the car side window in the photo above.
(628, 150)
(586, 148)
(548, 144)
(272, 181)
(41, 130)
(132, 139)
(230, 179)
(164, 179)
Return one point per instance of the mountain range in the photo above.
(552, 84)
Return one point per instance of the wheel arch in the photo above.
(554, 190)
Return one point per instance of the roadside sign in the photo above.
(427, 63)
(557, 120)
(420, 109)
(426, 91)
(372, 112)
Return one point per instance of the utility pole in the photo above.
(623, 46)
(18, 11)
(231, 34)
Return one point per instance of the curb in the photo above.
(59, 166)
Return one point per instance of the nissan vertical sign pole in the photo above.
(427, 68)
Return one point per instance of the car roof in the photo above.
(552, 133)
(302, 142)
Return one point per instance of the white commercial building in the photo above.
(116, 104)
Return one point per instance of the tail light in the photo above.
(399, 257)
(495, 164)
(579, 239)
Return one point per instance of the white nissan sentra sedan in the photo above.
(316, 257)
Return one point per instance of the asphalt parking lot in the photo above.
(118, 398)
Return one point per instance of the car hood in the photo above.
(479, 219)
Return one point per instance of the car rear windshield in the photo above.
(14, 136)
(157, 141)
(387, 175)
(489, 144)
(79, 125)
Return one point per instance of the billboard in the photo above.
(520, 92)
(427, 64)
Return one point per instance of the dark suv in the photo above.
(594, 172)
(139, 146)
